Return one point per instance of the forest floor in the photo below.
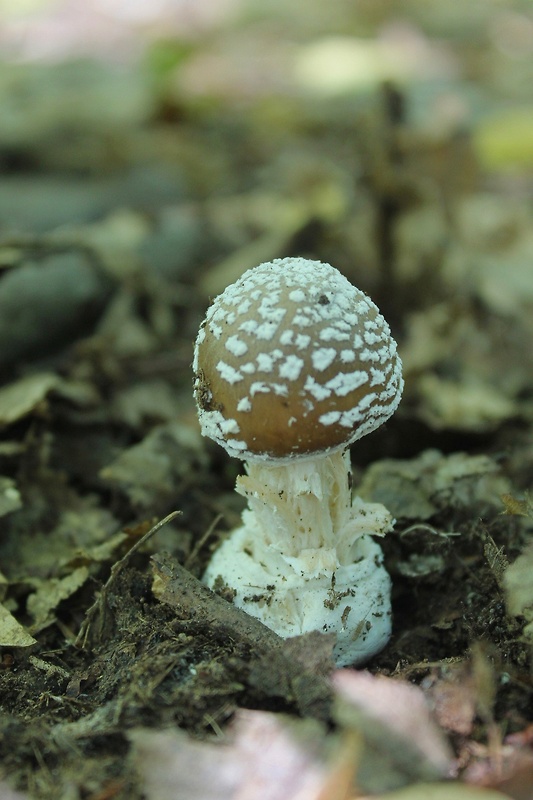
(129, 198)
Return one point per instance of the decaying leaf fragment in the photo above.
(12, 633)
(151, 472)
(516, 507)
(453, 699)
(470, 404)
(417, 488)
(50, 593)
(518, 588)
(444, 791)
(7, 793)
(401, 742)
(21, 397)
(265, 759)
(26, 395)
(9, 496)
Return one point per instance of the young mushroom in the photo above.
(292, 364)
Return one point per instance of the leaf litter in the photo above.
(119, 669)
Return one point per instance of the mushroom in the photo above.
(292, 365)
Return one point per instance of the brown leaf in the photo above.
(453, 699)
(263, 761)
(402, 743)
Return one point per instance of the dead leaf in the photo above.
(20, 398)
(24, 396)
(443, 791)
(42, 603)
(10, 499)
(6, 793)
(151, 472)
(504, 767)
(518, 589)
(514, 506)
(265, 759)
(12, 633)
(453, 699)
(417, 488)
(467, 404)
(402, 743)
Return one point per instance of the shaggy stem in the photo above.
(304, 558)
(305, 504)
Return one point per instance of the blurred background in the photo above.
(154, 149)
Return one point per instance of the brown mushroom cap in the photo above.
(293, 360)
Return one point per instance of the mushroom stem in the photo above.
(304, 558)
(305, 504)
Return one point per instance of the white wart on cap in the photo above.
(292, 360)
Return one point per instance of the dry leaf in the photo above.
(42, 603)
(151, 472)
(513, 506)
(402, 743)
(20, 398)
(264, 760)
(453, 698)
(504, 767)
(6, 793)
(9, 496)
(418, 488)
(12, 633)
(443, 791)
(518, 589)
(24, 396)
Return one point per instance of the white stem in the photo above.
(301, 505)
(304, 558)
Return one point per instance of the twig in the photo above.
(96, 618)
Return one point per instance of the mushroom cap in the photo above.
(292, 360)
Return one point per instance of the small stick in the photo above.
(195, 602)
(98, 614)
